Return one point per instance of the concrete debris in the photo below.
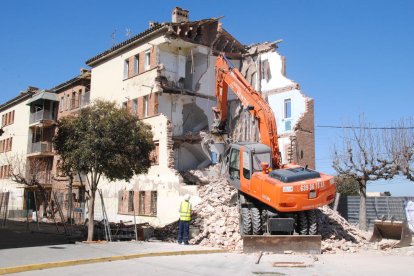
(216, 217)
(338, 235)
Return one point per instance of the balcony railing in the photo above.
(41, 115)
(85, 99)
(41, 147)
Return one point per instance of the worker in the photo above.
(184, 222)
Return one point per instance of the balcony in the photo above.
(41, 115)
(85, 99)
(40, 149)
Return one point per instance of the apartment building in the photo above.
(14, 141)
(166, 76)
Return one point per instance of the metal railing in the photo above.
(41, 115)
(40, 147)
(85, 99)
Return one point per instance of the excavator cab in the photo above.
(244, 159)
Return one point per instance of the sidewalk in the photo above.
(41, 257)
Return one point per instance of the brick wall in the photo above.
(304, 149)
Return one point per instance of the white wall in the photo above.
(108, 77)
(277, 79)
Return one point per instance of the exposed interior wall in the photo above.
(305, 137)
(265, 69)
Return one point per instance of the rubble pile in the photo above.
(339, 235)
(216, 217)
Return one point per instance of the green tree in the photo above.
(347, 186)
(103, 141)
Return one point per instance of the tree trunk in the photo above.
(363, 206)
(91, 214)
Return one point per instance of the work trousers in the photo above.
(183, 231)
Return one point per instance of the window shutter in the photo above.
(141, 61)
(129, 106)
(125, 202)
(131, 67)
(148, 202)
(153, 104)
(136, 202)
(141, 107)
(120, 199)
(152, 57)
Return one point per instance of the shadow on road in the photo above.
(20, 234)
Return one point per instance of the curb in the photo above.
(30, 267)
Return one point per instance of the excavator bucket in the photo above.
(310, 244)
(396, 230)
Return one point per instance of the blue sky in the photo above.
(351, 56)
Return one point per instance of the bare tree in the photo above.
(364, 157)
(402, 147)
(30, 172)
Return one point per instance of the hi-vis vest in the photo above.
(185, 211)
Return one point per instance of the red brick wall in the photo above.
(304, 149)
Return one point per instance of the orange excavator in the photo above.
(275, 200)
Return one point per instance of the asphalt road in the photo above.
(137, 258)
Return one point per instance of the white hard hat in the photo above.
(187, 197)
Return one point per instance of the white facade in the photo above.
(287, 102)
(176, 61)
(18, 131)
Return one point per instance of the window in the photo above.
(5, 171)
(146, 105)
(143, 203)
(62, 103)
(154, 197)
(265, 70)
(131, 201)
(147, 60)
(234, 164)
(154, 155)
(73, 102)
(136, 65)
(141, 210)
(67, 102)
(258, 158)
(8, 118)
(288, 109)
(10, 143)
(6, 145)
(134, 108)
(246, 165)
(126, 68)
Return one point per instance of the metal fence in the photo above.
(379, 207)
(4, 204)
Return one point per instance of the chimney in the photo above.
(179, 15)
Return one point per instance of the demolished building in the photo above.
(166, 76)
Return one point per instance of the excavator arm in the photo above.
(228, 76)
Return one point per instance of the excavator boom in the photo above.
(228, 76)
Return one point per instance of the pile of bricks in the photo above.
(217, 217)
(338, 235)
